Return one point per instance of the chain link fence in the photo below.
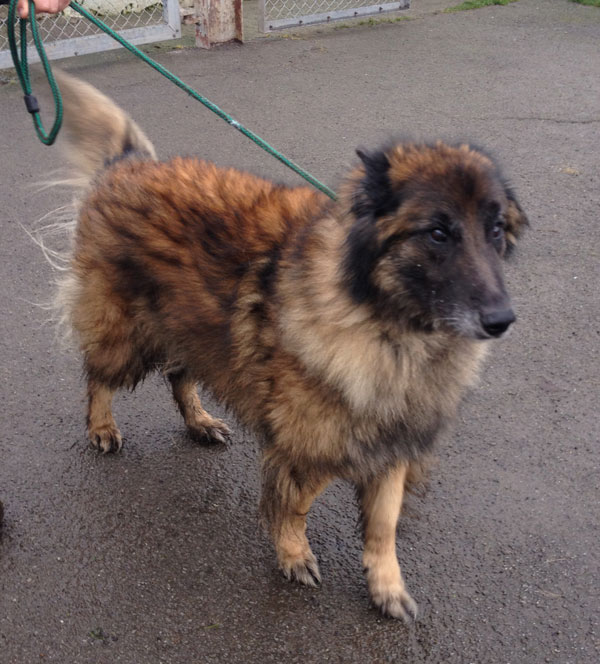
(278, 14)
(69, 33)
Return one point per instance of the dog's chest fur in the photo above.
(393, 398)
(338, 383)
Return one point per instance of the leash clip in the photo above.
(31, 103)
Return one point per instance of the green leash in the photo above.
(23, 72)
(32, 106)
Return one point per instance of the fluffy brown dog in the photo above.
(343, 334)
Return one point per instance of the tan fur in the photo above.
(381, 504)
(95, 128)
(294, 554)
(221, 278)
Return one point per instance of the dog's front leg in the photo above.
(381, 501)
(287, 495)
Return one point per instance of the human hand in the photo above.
(48, 6)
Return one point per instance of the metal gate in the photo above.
(69, 33)
(278, 14)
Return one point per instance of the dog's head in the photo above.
(430, 225)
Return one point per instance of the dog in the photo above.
(342, 333)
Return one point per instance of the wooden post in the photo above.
(217, 22)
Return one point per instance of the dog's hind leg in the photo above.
(285, 502)
(381, 502)
(200, 425)
(102, 428)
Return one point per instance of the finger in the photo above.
(23, 8)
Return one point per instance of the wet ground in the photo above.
(155, 555)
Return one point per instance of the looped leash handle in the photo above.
(22, 69)
(33, 106)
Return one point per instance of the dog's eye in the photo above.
(498, 231)
(438, 236)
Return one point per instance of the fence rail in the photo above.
(69, 33)
(278, 14)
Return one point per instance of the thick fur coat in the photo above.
(342, 333)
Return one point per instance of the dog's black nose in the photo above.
(496, 323)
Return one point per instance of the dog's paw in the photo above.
(210, 434)
(395, 602)
(106, 439)
(304, 570)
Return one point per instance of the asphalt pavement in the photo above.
(155, 555)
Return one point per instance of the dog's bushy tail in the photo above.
(95, 133)
(95, 130)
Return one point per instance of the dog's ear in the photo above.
(375, 197)
(363, 155)
(516, 219)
